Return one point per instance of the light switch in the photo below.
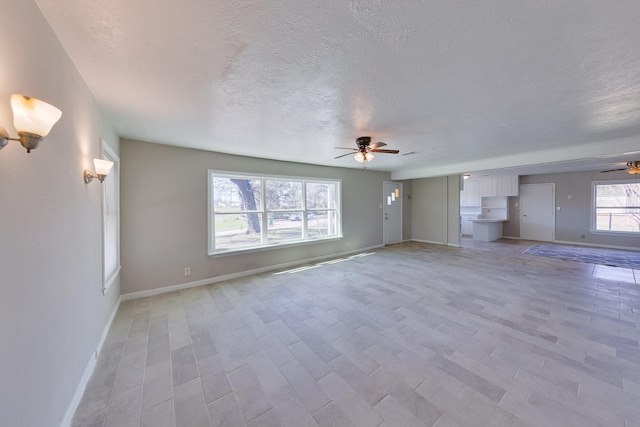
(558, 208)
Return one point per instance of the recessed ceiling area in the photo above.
(467, 86)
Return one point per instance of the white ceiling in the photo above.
(467, 86)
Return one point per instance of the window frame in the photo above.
(264, 211)
(594, 207)
(111, 182)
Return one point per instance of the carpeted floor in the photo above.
(613, 257)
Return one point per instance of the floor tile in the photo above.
(410, 334)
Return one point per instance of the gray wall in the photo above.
(574, 218)
(453, 210)
(406, 210)
(164, 214)
(511, 228)
(435, 210)
(52, 311)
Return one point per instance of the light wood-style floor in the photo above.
(408, 335)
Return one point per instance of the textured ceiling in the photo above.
(466, 85)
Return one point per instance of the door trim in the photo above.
(384, 200)
(553, 207)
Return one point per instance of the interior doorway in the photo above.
(392, 212)
(537, 212)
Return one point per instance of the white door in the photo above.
(537, 212)
(392, 210)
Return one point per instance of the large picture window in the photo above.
(616, 206)
(248, 212)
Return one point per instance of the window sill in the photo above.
(617, 233)
(242, 251)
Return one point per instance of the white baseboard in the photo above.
(427, 241)
(88, 371)
(157, 291)
(509, 237)
(595, 245)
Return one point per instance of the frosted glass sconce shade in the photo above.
(103, 167)
(32, 118)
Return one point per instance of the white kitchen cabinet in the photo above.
(488, 187)
(507, 186)
(471, 196)
(476, 189)
(467, 225)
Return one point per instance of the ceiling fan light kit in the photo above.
(632, 167)
(365, 149)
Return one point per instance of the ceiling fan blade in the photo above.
(377, 144)
(348, 154)
(614, 170)
(375, 150)
(345, 148)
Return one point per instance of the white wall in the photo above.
(52, 311)
(164, 215)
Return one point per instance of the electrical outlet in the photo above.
(187, 271)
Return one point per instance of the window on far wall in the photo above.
(248, 212)
(616, 206)
(110, 220)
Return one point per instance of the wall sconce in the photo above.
(32, 118)
(103, 167)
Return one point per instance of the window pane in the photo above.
(618, 195)
(284, 195)
(618, 219)
(236, 194)
(252, 211)
(111, 227)
(618, 207)
(111, 220)
(322, 224)
(321, 195)
(284, 227)
(236, 231)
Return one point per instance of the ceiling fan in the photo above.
(632, 167)
(365, 149)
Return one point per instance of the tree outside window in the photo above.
(259, 211)
(617, 206)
